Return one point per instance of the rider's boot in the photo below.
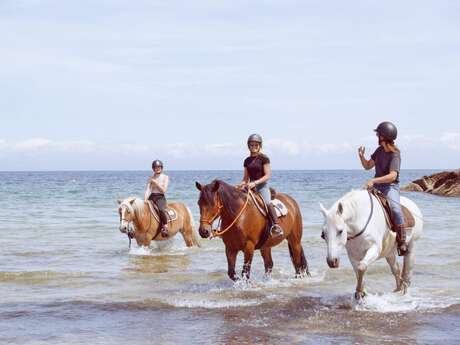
(275, 229)
(164, 230)
(401, 239)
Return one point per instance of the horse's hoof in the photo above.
(359, 295)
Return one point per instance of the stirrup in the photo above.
(276, 230)
(164, 232)
(402, 249)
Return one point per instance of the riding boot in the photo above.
(164, 226)
(401, 239)
(275, 229)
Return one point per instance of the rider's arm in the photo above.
(367, 163)
(245, 177)
(147, 191)
(390, 178)
(163, 187)
(267, 174)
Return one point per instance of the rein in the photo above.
(216, 232)
(368, 219)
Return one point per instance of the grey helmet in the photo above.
(255, 138)
(157, 163)
(387, 130)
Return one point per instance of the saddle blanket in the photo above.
(172, 214)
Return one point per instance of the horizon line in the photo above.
(181, 170)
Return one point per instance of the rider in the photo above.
(387, 162)
(257, 172)
(157, 185)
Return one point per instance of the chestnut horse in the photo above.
(244, 225)
(137, 221)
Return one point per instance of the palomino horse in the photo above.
(357, 222)
(146, 227)
(245, 225)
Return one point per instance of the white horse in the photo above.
(357, 222)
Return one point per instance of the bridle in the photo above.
(209, 221)
(368, 219)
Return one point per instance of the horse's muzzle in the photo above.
(333, 263)
(205, 232)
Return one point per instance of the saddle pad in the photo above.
(280, 207)
(172, 214)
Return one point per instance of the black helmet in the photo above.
(157, 163)
(255, 138)
(387, 130)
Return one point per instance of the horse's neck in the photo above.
(229, 213)
(356, 212)
(141, 220)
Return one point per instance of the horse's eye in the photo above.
(322, 235)
(340, 232)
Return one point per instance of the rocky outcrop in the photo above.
(444, 183)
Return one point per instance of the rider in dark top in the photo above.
(387, 162)
(257, 172)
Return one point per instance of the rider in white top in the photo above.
(157, 185)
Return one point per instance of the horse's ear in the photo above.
(340, 209)
(132, 201)
(216, 186)
(198, 186)
(119, 201)
(323, 210)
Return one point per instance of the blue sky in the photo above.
(114, 84)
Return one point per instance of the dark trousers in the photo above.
(160, 201)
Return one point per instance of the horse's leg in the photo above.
(268, 262)
(371, 255)
(408, 264)
(248, 255)
(231, 261)
(393, 263)
(296, 251)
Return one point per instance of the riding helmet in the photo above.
(387, 130)
(157, 163)
(255, 138)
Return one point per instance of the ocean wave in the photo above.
(414, 300)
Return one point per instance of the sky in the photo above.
(112, 85)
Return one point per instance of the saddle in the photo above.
(155, 211)
(409, 221)
(280, 207)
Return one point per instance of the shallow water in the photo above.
(67, 275)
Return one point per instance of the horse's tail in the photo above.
(192, 227)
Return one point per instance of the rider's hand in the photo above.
(251, 185)
(241, 185)
(370, 183)
(361, 151)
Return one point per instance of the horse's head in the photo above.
(127, 215)
(334, 232)
(210, 206)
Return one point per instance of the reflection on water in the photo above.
(67, 275)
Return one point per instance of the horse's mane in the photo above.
(136, 206)
(348, 200)
(228, 194)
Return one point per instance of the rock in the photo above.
(445, 183)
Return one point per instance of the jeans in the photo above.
(391, 191)
(264, 191)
